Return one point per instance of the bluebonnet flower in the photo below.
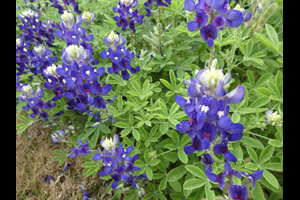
(227, 17)
(165, 3)
(251, 178)
(34, 101)
(67, 3)
(119, 165)
(126, 15)
(85, 195)
(238, 192)
(80, 149)
(119, 55)
(76, 78)
(207, 107)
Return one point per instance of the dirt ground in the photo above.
(33, 163)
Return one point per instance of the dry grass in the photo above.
(33, 163)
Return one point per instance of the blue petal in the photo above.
(189, 149)
(183, 127)
(236, 128)
(210, 42)
(230, 156)
(192, 26)
(189, 5)
(180, 101)
(205, 143)
(236, 95)
(234, 15)
(224, 122)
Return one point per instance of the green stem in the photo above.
(278, 24)
(164, 153)
(159, 27)
(131, 35)
(213, 46)
(213, 155)
(259, 135)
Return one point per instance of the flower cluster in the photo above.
(158, 3)
(67, 3)
(204, 11)
(35, 102)
(34, 30)
(207, 108)
(126, 15)
(88, 18)
(76, 79)
(119, 165)
(273, 118)
(119, 55)
(237, 192)
(80, 149)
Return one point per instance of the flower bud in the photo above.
(273, 118)
(259, 7)
(88, 17)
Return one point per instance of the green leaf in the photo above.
(171, 156)
(260, 102)
(149, 173)
(249, 47)
(251, 78)
(62, 161)
(193, 184)
(172, 78)
(24, 119)
(163, 184)
(196, 171)
(22, 129)
(167, 84)
(235, 117)
(176, 186)
(175, 138)
(182, 156)
(252, 142)
(258, 193)
(57, 151)
(122, 125)
(251, 166)
(210, 195)
(274, 88)
(273, 166)
(146, 156)
(125, 132)
(89, 164)
(264, 92)
(270, 178)
(131, 122)
(272, 35)
(173, 109)
(252, 154)
(237, 150)
(266, 41)
(163, 108)
(275, 143)
(268, 185)
(242, 48)
(57, 158)
(176, 173)
(266, 154)
(95, 137)
(264, 78)
(279, 81)
(163, 128)
(154, 162)
(136, 134)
